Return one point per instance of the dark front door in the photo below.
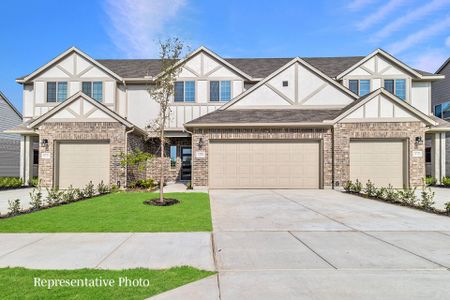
(186, 167)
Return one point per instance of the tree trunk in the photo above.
(161, 181)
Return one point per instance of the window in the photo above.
(428, 154)
(220, 90)
(35, 156)
(93, 89)
(56, 91)
(359, 87)
(184, 91)
(173, 156)
(396, 87)
(442, 110)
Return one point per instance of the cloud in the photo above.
(356, 5)
(136, 25)
(420, 36)
(410, 17)
(378, 15)
(447, 41)
(430, 60)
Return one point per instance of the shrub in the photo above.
(36, 198)
(89, 190)
(102, 188)
(447, 207)
(427, 197)
(391, 194)
(69, 194)
(430, 180)
(381, 193)
(408, 196)
(348, 186)
(132, 185)
(79, 194)
(370, 189)
(10, 182)
(114, 188)
(189, 185)
(14, 206)
(357, 187)
(54, 196)
(446, 181)
(146, 183)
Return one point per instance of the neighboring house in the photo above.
(235, 123)
(441, 108)
(9, 143)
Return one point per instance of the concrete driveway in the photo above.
(22, 194)
(324, 244)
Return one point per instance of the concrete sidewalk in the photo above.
(107, 250)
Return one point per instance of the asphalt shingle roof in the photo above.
(266, 116)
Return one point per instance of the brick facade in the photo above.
(81, 131)
(200, 165)
(337, 138)
(154, 166)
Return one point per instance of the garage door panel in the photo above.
(381, 162)
(264, 164)
(79, 163)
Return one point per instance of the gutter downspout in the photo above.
(126, 153)
(332, 157)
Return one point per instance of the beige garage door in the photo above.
(264, 164)
(81, 162)
(380, 161)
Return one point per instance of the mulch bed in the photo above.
(167, 202)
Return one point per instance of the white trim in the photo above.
(63, 55)
(74, 97)
(393, 98)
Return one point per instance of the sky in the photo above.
(33, 32)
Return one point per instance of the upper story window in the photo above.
(56, 91)
(93, 89)
(220, 90)
(184, 91)
(359, 87)
(396, 87)
(442, 110)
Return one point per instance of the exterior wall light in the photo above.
(419, 140)
(44, 143)
(200, 143)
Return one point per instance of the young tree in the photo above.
(162, 92)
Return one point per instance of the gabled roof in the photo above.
(62, 56)
(10, 104)
(443, 66)
(75, 97)
(417, 73)
(281, 69)
(381, 91)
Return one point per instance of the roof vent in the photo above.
(285, 83)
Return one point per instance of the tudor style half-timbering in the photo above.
(235, 122)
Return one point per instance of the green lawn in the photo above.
(118, 212)
(19, 283)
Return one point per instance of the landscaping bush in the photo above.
(14, 207)
(446, 181)
(370, 189)
(357, 187)
(89, 190)
(148, 184)
(408, 196)
(102, 188)
(54, 196)
(392, 194)
(79, 193)
(430, 180)
(348, 186)
(447, 207)
(427, 197)
(381, 193)
(10, 182)
(36, 198)
(69, 195)
(189, 185)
